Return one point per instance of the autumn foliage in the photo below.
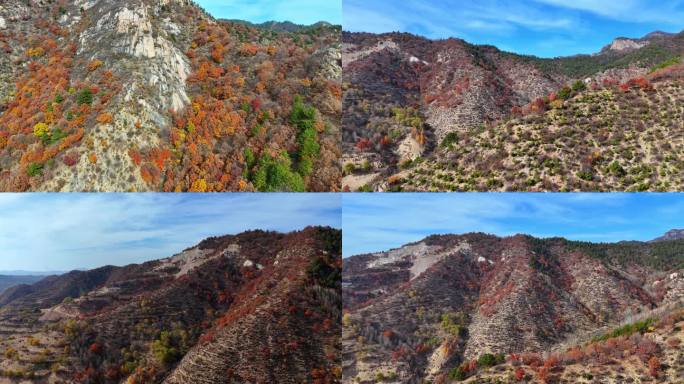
(243, 129)
(105, 118)
(241, 90)
(44, 109)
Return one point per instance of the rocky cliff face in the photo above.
(417, 312)
(626, 44)
(175, 98)
(248, 307)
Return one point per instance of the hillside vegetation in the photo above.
(612, 137)
(649, 351)
(483, 309)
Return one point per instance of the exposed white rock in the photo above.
(166, 68)
(414, 59)
(136, 19)
(248, 264)
(421, 255)
(674, 276)
(167, 2)
(437, 360)
(328, 60)
(186, 260)
(400, 254)
(481, 259)
(86, 4)
(231, 249)
(409, 149)
(350, 54)
(3, 24)
(424, 261)
(171, 27)
(354, 182)
(58, 312)
(624, 44)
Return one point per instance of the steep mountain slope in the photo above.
(641, 352)
(418, 312)
(607, 138)
(157, 95)
(407, 97)
(254, 307)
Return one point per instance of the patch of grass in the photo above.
(35, 169)
(627, 330)
(666, 63)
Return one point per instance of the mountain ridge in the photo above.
(282, 26)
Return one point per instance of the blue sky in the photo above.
(378, 222)
(59, 232)
(258, 11)
(545, 28)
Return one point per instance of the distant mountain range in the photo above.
(281, 26)
(11, 280)
(30, 273)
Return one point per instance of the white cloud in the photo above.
(669, 12)
(450, 18)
